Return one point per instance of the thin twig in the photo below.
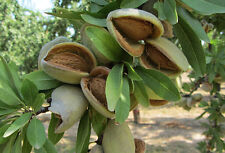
(42, 110)
(196, 86)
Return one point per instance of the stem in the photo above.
(197, 85)
(42, 110)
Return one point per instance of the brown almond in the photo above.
(97, 87)
(158, 59)
(133, 28)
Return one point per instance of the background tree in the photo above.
(23, 33)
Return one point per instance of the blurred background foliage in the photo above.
(24, 32)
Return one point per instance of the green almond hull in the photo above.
(118, 138)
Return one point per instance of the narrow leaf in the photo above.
(8, 97)
(141, 94)
(132, 3)
(123, 105)
(41, 150)
(170, 11)
(159, 83)
(131, 73)
(113, 86)
(52, 136)
(108, 8)
(10, 77)
(17, 124)
(49, 147)
(205, 7)
(5, 106)
(42, 80)
(194, 24)
(98, 122)
(95, 7)
(29, 92)
(2, 131)
(39, 100)
(159, 6)
(83, 134)
(93, 20)
(65, 13)
(7, 111)
(191, 46)
(217, 2)
(36, 133)
(4, 79)
(26, 148)
(104, 43)
(100, 2)
(14, 71)
(17, 147)
(9, 146)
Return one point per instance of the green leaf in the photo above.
(41, 150)
(159, 83)
(95, 7)
(93, 20)
(83, 134)
(10, 77)
(26, 148)
(2, 131)
(217, 2)
(3, 76)
(200, 116)
(203, 104)
(191, 46)
(194, 24)
(8, 97)
(104, 43)
(114, 86)
(17, 147)
(65, 13)
(36, 133)
(186, 87)
(42, 80)
(29, 92)
(98, 122)
(2, 146)
(170, 11)
(100, 2)
(206, 7)
(131, 84)
(7, 111)
(39, 100)
(5, 106)
(123, 105)
(17, 124)
(131, 73)
(159, 6)
(132, 3)
(9, 146)
(108, 8)
(141, 94)
(49, 147)
(14, 71)
(52, 136)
